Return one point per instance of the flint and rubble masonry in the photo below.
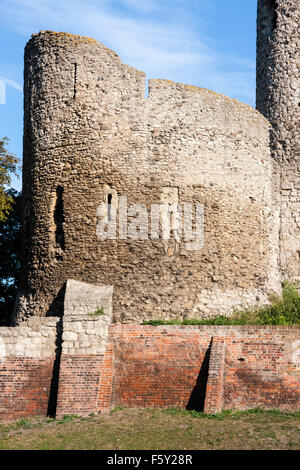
(90, 134)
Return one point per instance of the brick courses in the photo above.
(206, 368)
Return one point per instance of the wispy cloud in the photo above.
(165, 39)
(11, 83)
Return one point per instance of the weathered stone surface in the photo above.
(85, 328)
(278, 99)
(82, 298)
(90, 133)
(29, 340)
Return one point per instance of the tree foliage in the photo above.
(9, 257)
(8, 166)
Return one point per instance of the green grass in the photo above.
(98, 312)
(137, 429)
(233, 413)
(67, 418)
(283, 310)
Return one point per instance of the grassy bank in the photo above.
(137, 429)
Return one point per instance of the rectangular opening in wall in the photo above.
(59, 219)
(147, 88)
(269, 16)
(109, 201)
(75, 81)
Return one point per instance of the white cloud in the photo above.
(162, 40)
(11, 83)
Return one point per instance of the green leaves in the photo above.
(9, 258)
(8, 166)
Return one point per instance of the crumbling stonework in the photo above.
(278, 99)
(90, 135)
(86, 299)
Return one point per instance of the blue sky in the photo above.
(207, 43)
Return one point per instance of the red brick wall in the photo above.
(106, 380)
(24, 387)
(259, 371)
(167, 367)
(214, 397)
(158, 366)
(79, 380)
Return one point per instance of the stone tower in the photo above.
(91, 137)
(278, 99)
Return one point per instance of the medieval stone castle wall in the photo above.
(278, 99)
(90, 134)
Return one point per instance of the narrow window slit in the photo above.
(269, 16)
(59, 219)
(75, 81)
(109, 201)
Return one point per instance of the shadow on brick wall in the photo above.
(52, 403)
(197, 398)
